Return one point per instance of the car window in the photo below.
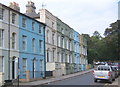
(106, 68)
(113, 69)
(98, 68)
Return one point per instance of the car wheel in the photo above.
(114, 79)
(110, 81)
(95, 80)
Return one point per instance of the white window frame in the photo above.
(1, 13)
(23, 22)
(53, 38)
(13, 18)
(33, 25)
(1, 37)
(13, 40)
(24, 42)
(41, 65)
(24, 65)
(40, 45)
(33, 44)
(2, 63)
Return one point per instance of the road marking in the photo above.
(106, 85)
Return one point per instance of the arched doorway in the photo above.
(14, 67)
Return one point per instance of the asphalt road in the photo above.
(85, 79)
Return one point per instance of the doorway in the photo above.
(33, 68)
(14, 67)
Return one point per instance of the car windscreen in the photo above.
(105, 68)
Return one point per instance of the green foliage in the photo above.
(104, 49)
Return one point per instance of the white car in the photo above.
(104, 72)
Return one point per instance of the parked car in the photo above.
(115, 69)
(104, 72)
(117, 64)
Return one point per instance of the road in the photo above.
(85, 79)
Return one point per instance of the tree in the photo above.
(111, 38)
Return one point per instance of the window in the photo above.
(62, 55)
(40, 45)
(52, 24)
(23, 22)
(24, 65)
(65, 60)
(24, 42)
(59, 41)
(1, 13)
(33, 44)
(62, 30)
(41, 66)
(40, 28)
(53, 36)
(47, 36)
(13, 40)
(70, 45)
(67, 44)
(53, 54)
(1, 37)
(1, 64)
(48, 55)
(33, 25)
(75, 46)
(59, 57)
(69, 59)
(13, 18)
(62, 41)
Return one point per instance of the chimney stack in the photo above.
(14, 6)
(30, 7)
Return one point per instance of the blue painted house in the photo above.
(31, 48)
(76, 51)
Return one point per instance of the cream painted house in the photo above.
(83, 51)
(9, 52)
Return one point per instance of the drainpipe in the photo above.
(18, 71)
(9, 46)
(44, 55)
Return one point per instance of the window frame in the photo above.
(13, 40)
(24, 22)
(1, 13)
(24, 43)
(13, 18)
(1, 37)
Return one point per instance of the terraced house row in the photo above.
(33, 44)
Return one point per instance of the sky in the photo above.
(84, 16)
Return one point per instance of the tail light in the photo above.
(108, 73)
(93, 71)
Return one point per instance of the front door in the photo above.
(33, 68)
(14, 68)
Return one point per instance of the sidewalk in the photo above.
(53, 79)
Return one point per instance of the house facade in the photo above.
(9, 43)
(32, 48)
(65, 47)
(76, 43)
(83, 52)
